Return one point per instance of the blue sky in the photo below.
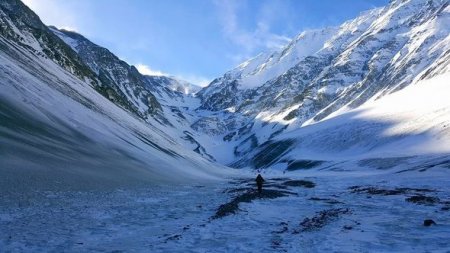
(196, 40)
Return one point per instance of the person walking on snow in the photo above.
(259, 182)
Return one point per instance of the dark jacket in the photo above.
(259, 179)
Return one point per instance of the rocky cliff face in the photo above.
(21, 26)
(121, 82)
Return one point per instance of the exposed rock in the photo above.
(321, 219)
(326, 200)
(300, 183)
(428, 223)
(233, 206)
(303, 164)
(173, 238)
(423, 200)
(379, 191)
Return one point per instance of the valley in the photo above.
(349, 126)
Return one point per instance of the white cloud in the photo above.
(190, 78)
(146, 70)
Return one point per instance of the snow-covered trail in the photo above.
(178, 218)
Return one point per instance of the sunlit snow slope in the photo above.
(412, 122)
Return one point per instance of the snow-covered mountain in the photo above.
(164, 102)
(183, 86)
(256, 71)
(121, 82)
(320, 74)
(133, 87)
(59, 129)
(377, 53)
(413, 122)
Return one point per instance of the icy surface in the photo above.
(178, 219)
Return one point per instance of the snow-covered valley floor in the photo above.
(346, 211)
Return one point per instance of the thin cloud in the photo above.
(251, 41)
(270, 40)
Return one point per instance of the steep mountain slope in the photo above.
(413, 122)
(164, 102)
(267, 66)
(115, 74)
(23, 27)
(58, 132)
(379, 52)
(178, 105)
